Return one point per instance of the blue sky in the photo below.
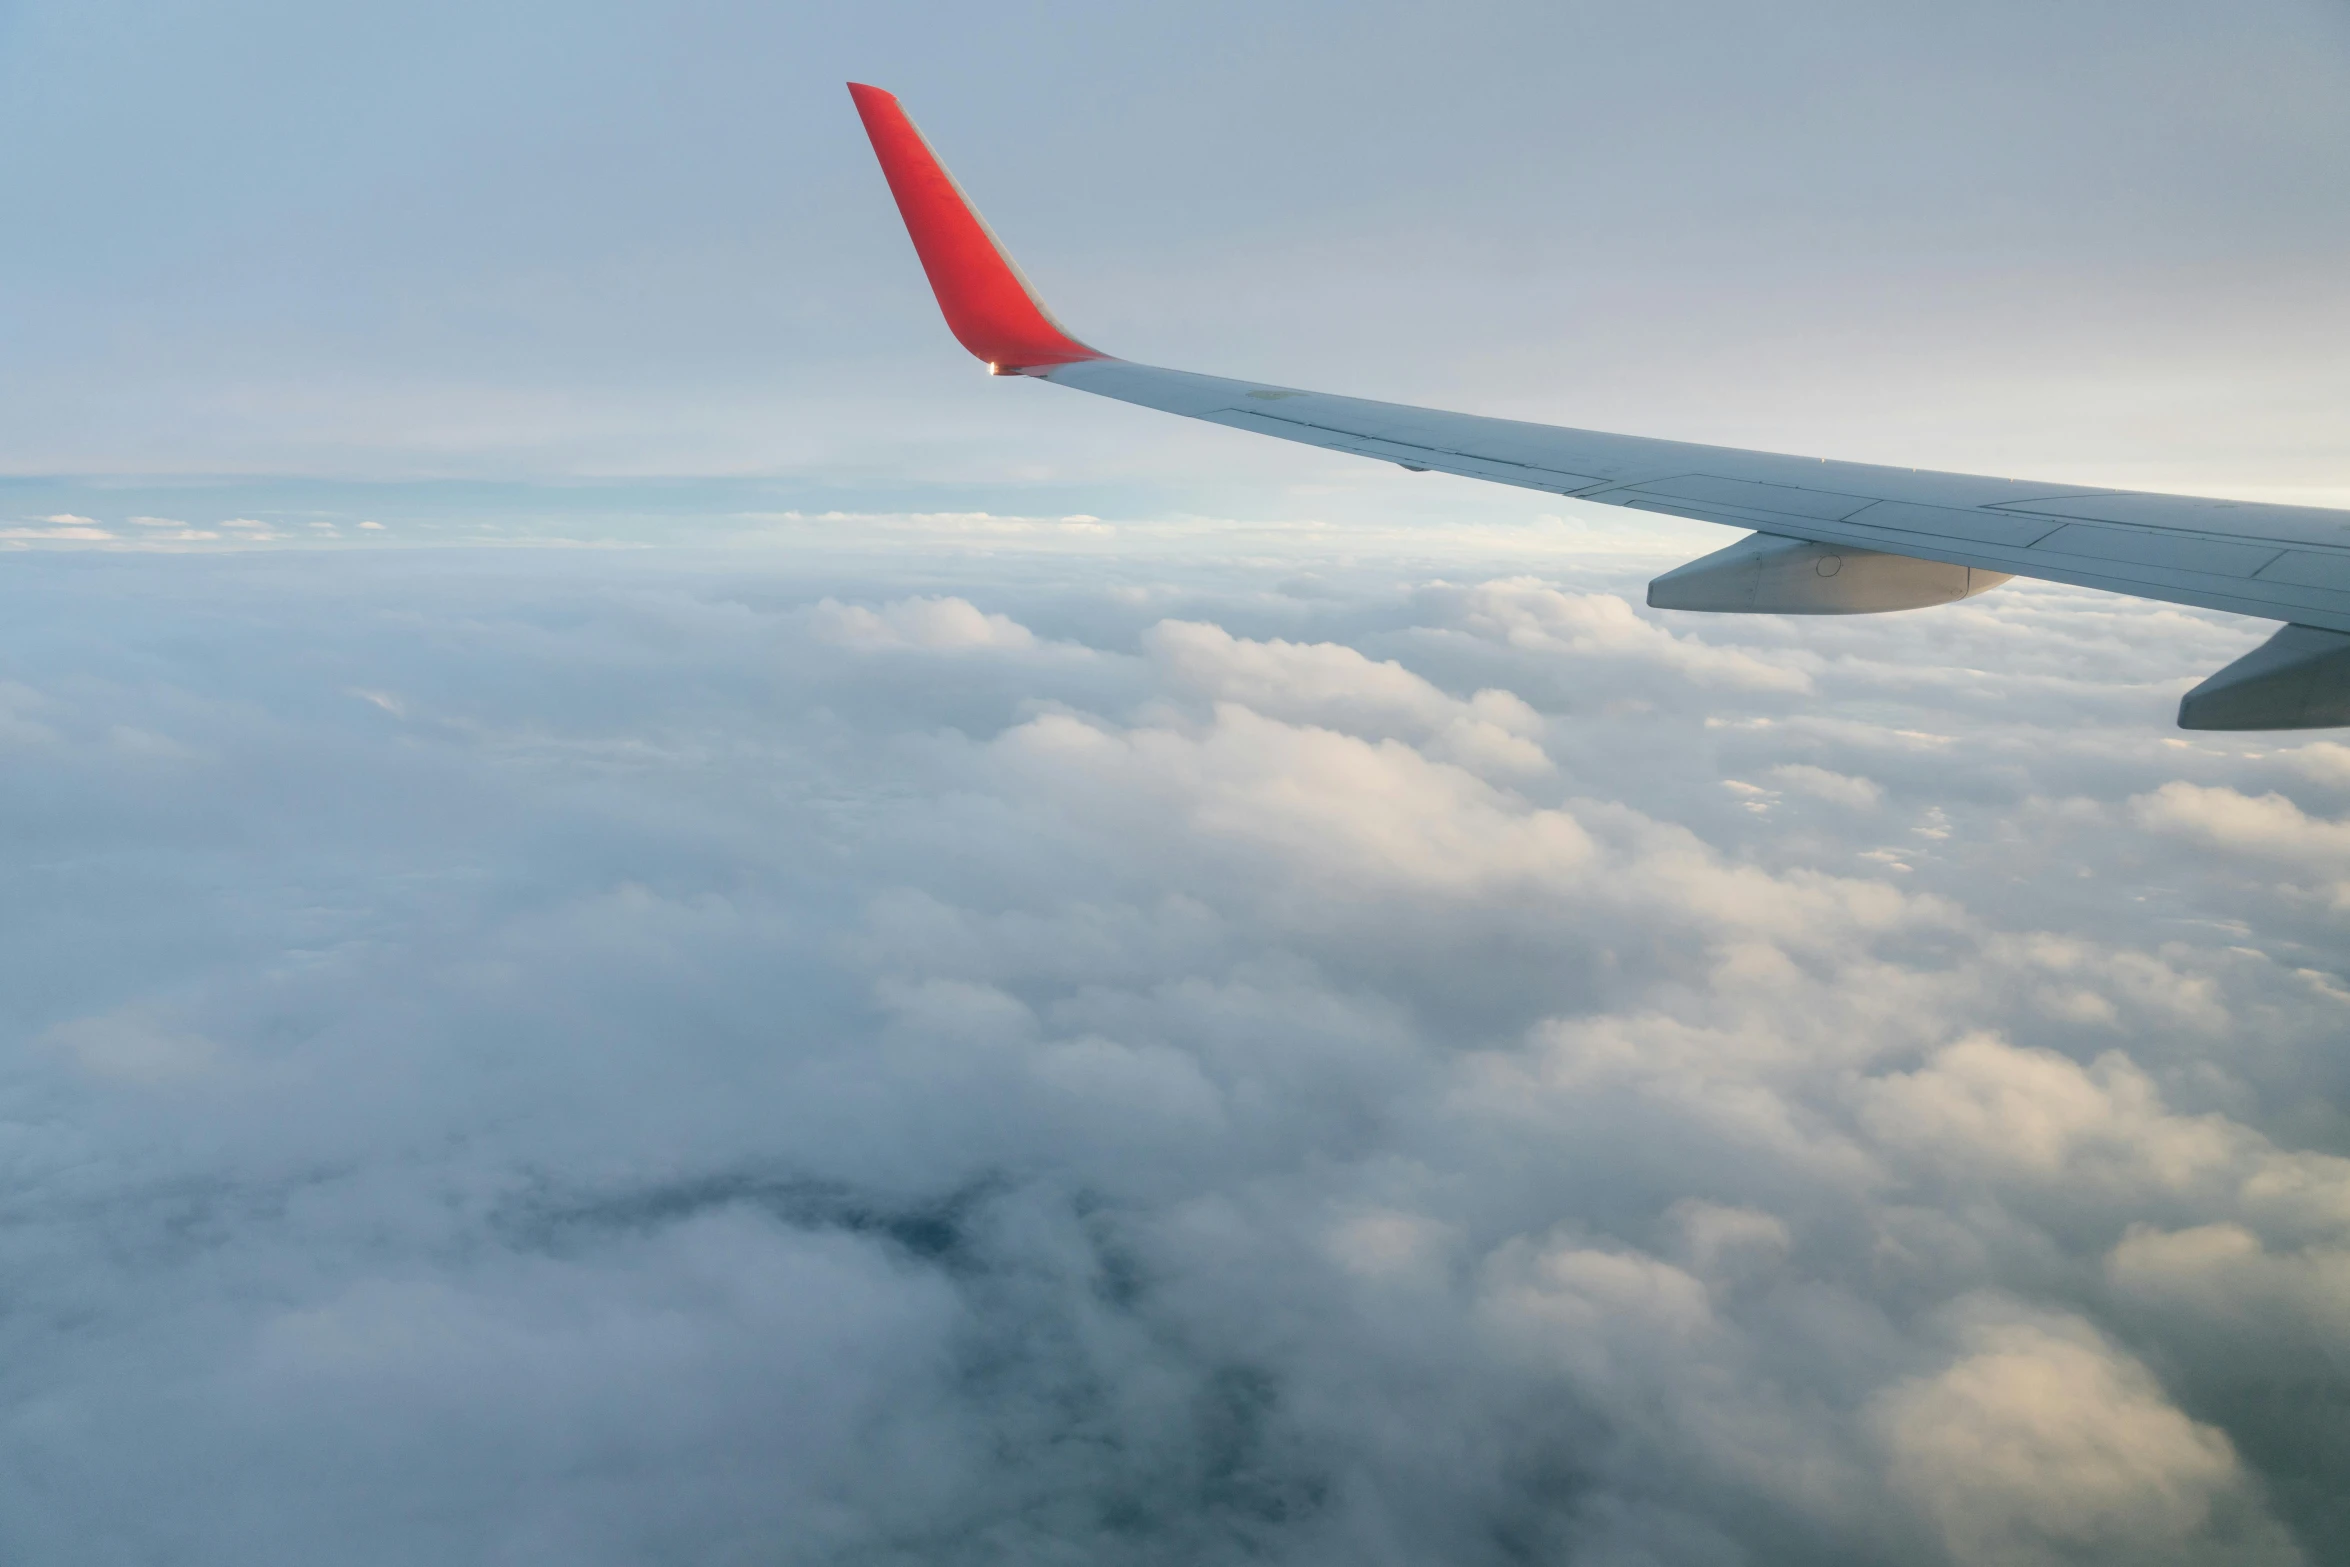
(649, 922)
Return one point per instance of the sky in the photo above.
(499, 240)
(649, 922)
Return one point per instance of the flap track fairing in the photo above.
(1763, 574)
(2297, 679)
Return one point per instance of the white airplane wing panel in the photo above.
(2277, 562)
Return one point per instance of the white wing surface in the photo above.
(2284, 563)
(2278, 562)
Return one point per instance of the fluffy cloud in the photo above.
(1835, 788)
(2270, 825)
(1601, 628)
(2040, 1443)
(799, 1065)
(62, 527)
(1331, 685)
(916, 622)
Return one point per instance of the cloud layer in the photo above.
(614, 1059)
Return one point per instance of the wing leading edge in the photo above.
(2284, 563)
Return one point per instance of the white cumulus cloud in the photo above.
(808, 1063)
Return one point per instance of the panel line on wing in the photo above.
(2309, 569)
(2174, 551)
(1975, 524)
(1785, 500)
(1387, 447)
(2194, 515)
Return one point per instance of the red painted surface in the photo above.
(987, 303)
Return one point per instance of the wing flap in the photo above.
(2309, 569)
(2192, 513)
(2145, 547)
(1976, 525)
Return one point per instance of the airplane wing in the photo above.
(1828, 537)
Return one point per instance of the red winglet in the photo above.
(988, 304)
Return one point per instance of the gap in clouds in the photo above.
(906, 1052)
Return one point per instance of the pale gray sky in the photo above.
(2096, 240)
